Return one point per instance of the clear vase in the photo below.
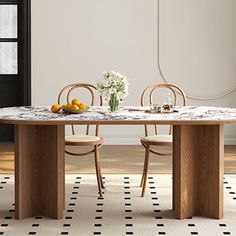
(113, 103)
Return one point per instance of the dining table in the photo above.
(198, 154)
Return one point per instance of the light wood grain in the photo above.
(39, 171)
(198, 153)
(125, 159)
(211, 170)
(117, 122)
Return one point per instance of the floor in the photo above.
(121, 212)
(125, 160)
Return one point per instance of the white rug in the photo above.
(121, 212)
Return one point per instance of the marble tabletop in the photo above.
(126, 115)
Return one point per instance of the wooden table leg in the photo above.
(39, 171)
(198, 159)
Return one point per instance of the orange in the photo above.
(68, 106)
(75, 101)
(55, 108)
(82, 106)
(75, 107)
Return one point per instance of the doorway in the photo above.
(15, 58)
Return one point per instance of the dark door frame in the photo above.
(22, 80)
(24, 50)
(24, 59)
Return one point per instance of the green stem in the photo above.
(114, 103)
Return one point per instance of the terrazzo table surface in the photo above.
(126, 115)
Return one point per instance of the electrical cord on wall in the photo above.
(218, 96)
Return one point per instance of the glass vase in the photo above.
(113, 103)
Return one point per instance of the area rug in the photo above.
(120, 212)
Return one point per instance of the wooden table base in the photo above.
(39, 171)
(198, 154)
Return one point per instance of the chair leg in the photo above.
(99, 168)
(102, 184)
(96, 155)
(147, 152)
(144, 168)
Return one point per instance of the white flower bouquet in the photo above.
(114, 88)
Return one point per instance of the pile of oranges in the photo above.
(75, 104)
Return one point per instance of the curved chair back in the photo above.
(148, 95)
(66, 92)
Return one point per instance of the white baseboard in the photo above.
(136, 141)
(230, 141)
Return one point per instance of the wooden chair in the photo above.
(84, 140)
(158, 139)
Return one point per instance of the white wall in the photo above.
(75, 40)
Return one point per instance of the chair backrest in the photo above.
(148, 94)
(90, 89)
